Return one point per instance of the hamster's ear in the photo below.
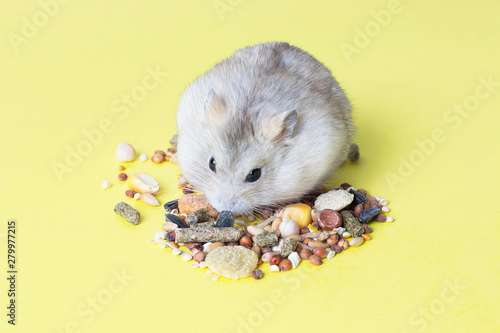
(214, 108)
(280, 127)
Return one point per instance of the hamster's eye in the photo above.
(253, 175)
(211, 164)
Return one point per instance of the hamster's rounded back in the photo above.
(262, 127)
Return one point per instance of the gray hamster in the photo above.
(265, 126)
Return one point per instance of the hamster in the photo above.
(263, 127)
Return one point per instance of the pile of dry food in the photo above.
(322, 225)
(319, 228)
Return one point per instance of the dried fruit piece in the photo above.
(334, 199)
(122, 176)
(265, 239)
(233, 262)
(224, 219)
(329, 219)
(190, 202)
(143, 183)
(368, 214)
(127, 212)
(203, 235)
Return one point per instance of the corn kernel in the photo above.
(299, 212)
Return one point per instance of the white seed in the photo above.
(203, 264)
(137, 196)
(274, 268)
(206, 247)
(330, 255)
(345, 234)
(154, 241)
(215, 278)
(383, 202)
(195, 265)
(241, 223)
(143, 157)
(106, 184)
(125, 152)
(378, 198)
(255, 230)
(149, 199)
(340, 231)
(186, 256)
(176, 252)
(174, 159)
(169, 226)
(390, 219)
(276, 248)
(294, 258)
(162, 243)
(356, 241)
(385, 209)
(267, 256)
(143, 183)
(160, 234)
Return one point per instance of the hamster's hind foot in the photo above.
(353, 153)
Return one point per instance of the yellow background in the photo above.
(66, 77)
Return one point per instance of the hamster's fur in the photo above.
(271, 106)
